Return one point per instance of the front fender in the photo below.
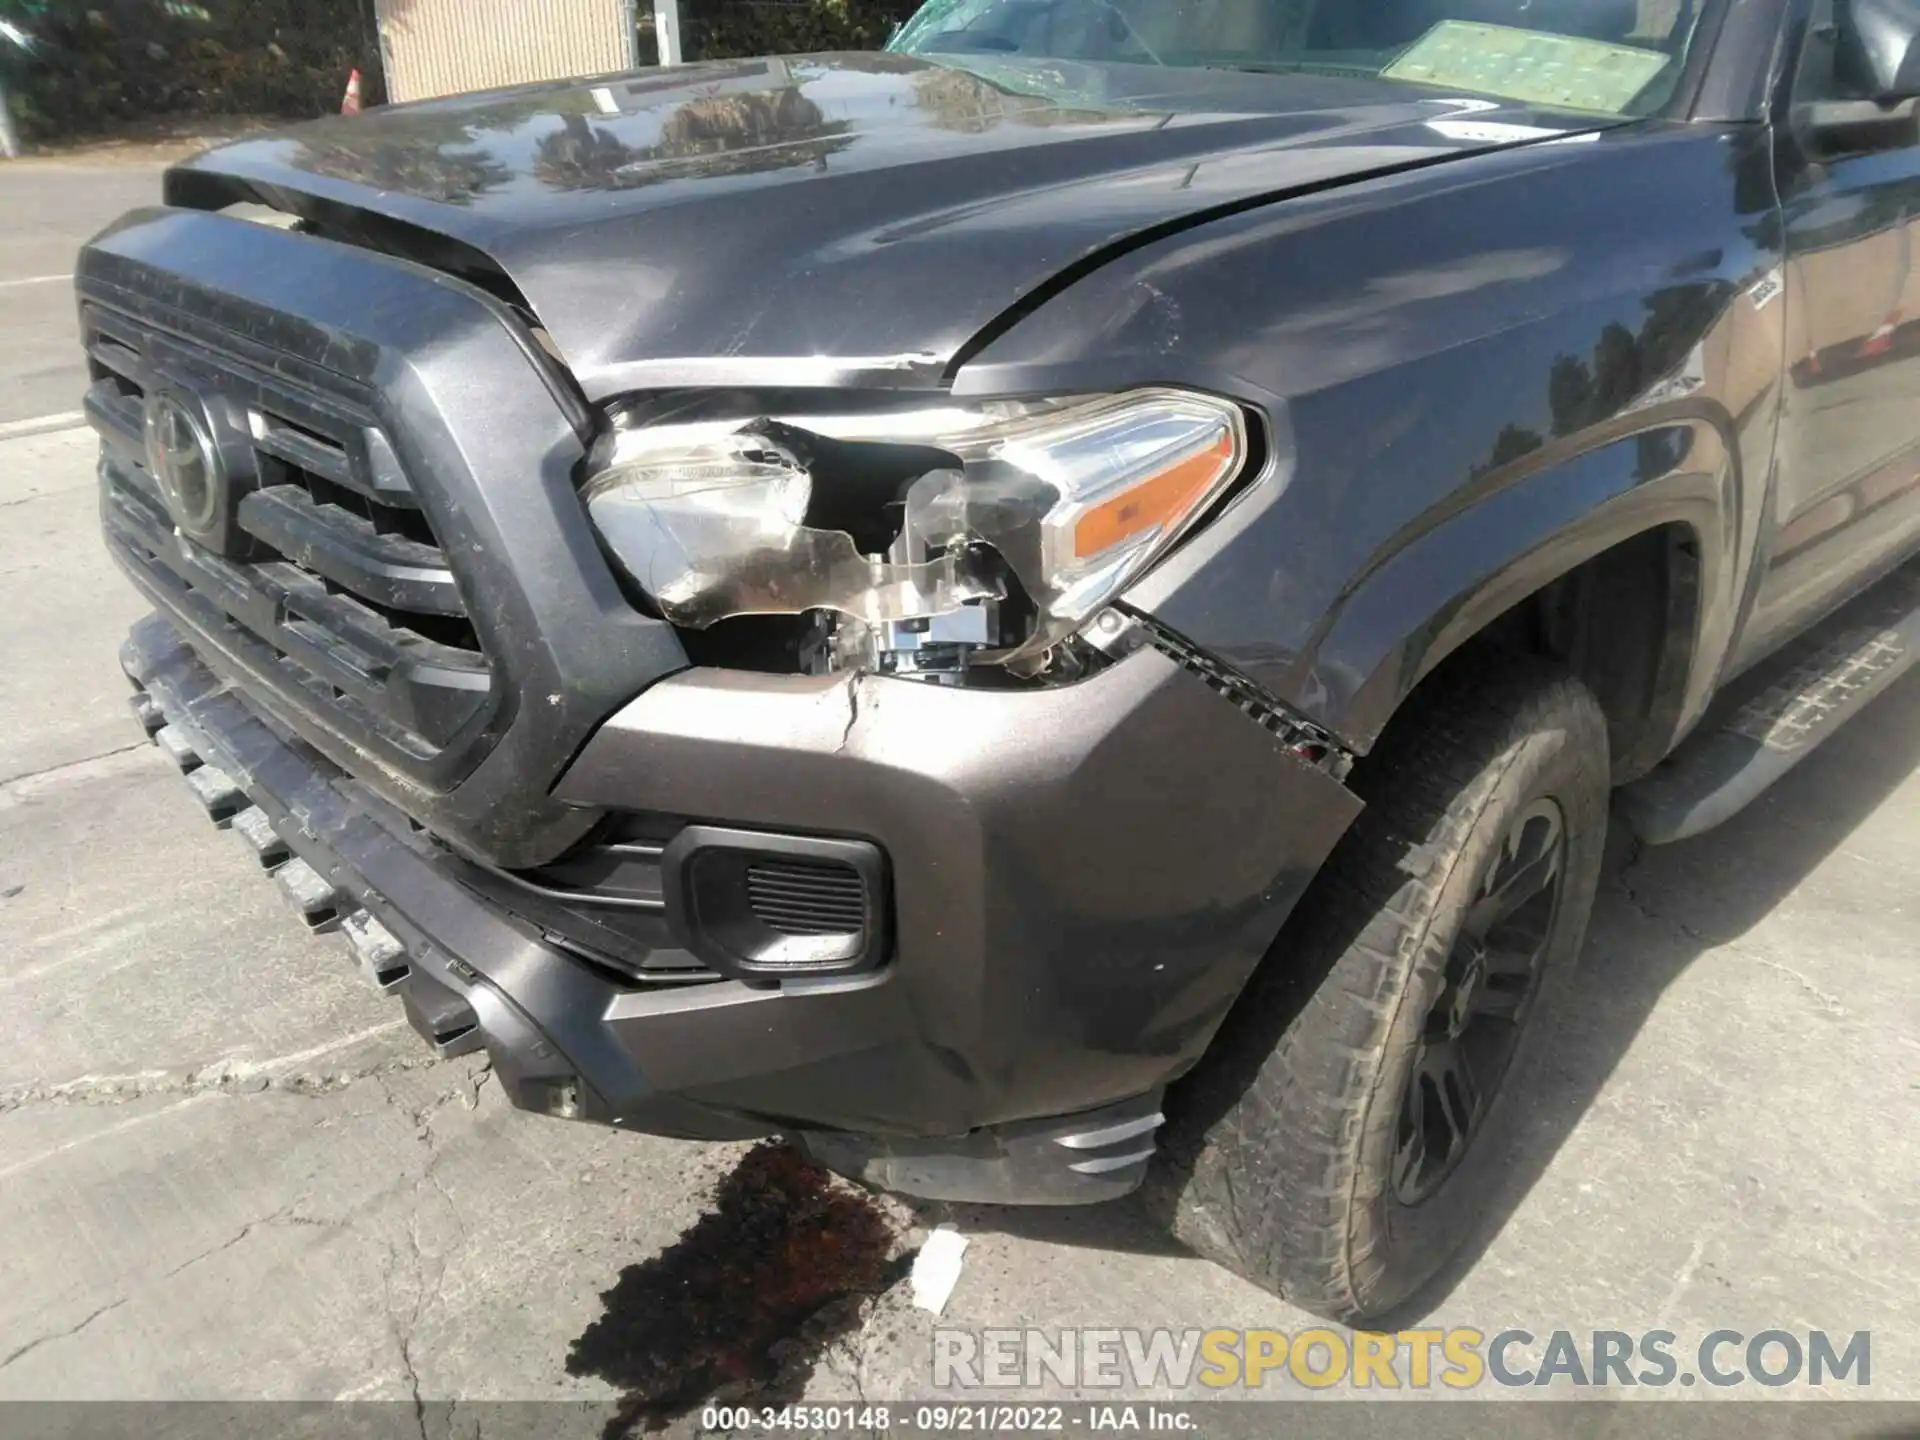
(1472, 378)
(1441, 588)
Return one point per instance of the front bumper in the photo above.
(1082, 880)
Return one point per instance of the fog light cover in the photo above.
(761, 906)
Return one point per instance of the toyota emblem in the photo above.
(185, 462)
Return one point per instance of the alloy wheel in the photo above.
(1470, 1033)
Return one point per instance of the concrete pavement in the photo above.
(228, 1170)
(46, 211)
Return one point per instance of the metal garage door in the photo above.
(441, 47)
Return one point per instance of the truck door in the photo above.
(1847, 464)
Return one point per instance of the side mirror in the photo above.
(1839, 127)
(1875, 45)
(1880, 42)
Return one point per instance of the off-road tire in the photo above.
(1279, 1148)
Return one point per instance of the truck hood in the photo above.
(828, 219)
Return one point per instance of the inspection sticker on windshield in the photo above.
(1559, 70)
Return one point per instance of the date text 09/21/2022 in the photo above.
(950, 1418)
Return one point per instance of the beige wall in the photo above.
(441, 47)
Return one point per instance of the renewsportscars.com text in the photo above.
(1149, 1361)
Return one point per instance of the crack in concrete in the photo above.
(45, 770)
(403, 1338)
(413, 1386)
(1825, 999)
(48, 1339)
(221, 1077)
(424, 1297)
(465, 1091)
(1648, 911)
(853, 713)
(44, 495)
(284, 1215)
(1645, 908)
(227, 1244)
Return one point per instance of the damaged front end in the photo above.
(958, 544)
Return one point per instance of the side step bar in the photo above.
(1830, 675)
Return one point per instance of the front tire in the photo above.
(1345, 1134)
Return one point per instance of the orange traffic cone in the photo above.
(1881, 340)
(350, 104)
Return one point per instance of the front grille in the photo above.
(335, 586)
(800, 899)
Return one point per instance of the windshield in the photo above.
(1611, 57)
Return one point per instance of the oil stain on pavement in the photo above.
(747, 1299)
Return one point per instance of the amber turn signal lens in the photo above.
(1160, 501)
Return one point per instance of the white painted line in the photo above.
(32, 1160)
(246, 1069)
(35, 280)
(40, 425)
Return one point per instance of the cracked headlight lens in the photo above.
(1073, 498)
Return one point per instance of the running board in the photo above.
(1830, 674)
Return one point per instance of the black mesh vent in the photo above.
(800, 899)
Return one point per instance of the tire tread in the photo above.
(1290, 1142)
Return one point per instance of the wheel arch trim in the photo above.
(1451, 580)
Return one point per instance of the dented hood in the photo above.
(829, 219)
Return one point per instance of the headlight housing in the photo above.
(1056, 506)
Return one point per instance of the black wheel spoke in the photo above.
(1459, 1098)
(1506, 962)
(1410, 1154)
(1473, 1023)
(1515, 888)
(1529, 864)
(1499, 998)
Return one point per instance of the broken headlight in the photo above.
(978, 536)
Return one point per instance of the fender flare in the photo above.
(1449, 576)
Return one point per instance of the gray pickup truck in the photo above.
(1063, 605)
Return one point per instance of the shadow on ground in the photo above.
(1755, 861)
